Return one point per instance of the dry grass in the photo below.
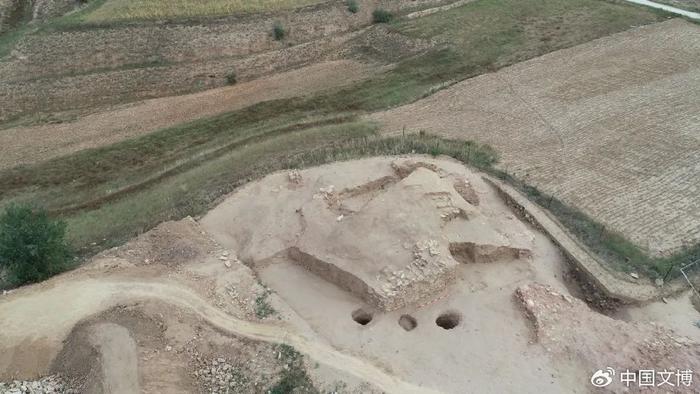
(120, 10)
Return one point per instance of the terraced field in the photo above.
(610, 127)
(115, 10)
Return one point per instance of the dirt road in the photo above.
(119, 357)
(667, 8)
(58, 308)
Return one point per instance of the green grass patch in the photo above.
(9, 39)
(353, 6)
(381, 15)
(263, 308)
(294, 378)
(609, 246)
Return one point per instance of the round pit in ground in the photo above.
(408, 322)
(448, 320)
(362, 316)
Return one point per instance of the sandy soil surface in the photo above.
(23, 145)
(610, 126)
(180, 301)
(422, 226)
(118, 357)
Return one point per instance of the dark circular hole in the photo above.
(362, 316)
(448, 320)
(408, 322)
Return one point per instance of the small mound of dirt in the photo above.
(408, 322)
(564, 326)
(448, 320)
(170, 243)
(362, 316)
(94, 354)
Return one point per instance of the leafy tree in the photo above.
(32, 245)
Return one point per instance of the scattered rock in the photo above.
(634, 275)
(47, 385)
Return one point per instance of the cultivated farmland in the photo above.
(610, 126)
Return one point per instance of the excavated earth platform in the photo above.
(176, 310)
(390, 231)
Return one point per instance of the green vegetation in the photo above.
(381, 15)
(353, 6)
(278, 31)
(263, 308)
(294, 378)
(610, 247)
(32, 246)
(10, 38)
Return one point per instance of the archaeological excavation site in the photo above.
(388, 274)
(349, 196)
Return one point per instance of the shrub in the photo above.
(231, 78)
(32, 246)
(381, 15)
(263, 308)
(353, 6)
(278, 31)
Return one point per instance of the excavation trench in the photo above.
(470, 252)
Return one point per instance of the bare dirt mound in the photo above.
(609, 126)
(100, 357)
(566, 327)
(382, 229)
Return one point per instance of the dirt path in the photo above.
(24, 145)
(667, 8)
(55, 310)
(119, 358)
